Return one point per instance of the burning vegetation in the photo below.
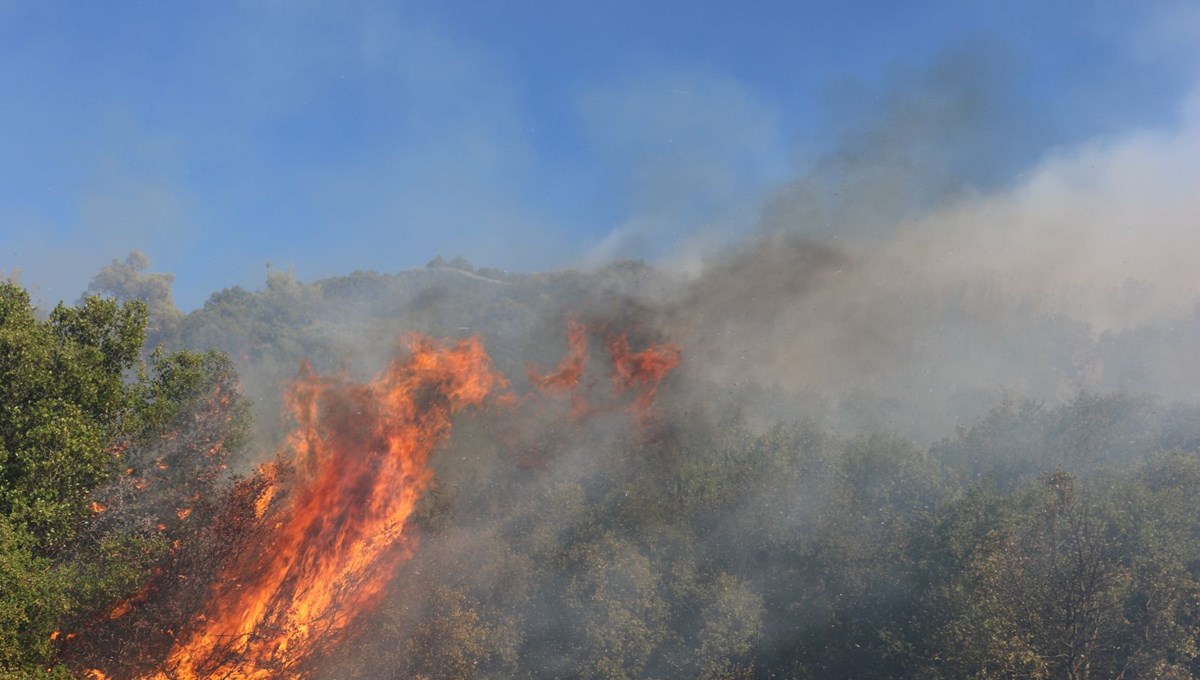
(355, 468)
(313, 539)
(463, 513)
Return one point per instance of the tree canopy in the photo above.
(79, 408)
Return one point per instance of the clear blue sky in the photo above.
(333, 136)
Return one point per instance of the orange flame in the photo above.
(121, 609)
(267, 472)
(125, 606)
(360, 454)
(565, 378)
(98, 507)
(333, 512)
(641, 371)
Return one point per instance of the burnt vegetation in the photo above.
(1043, 525)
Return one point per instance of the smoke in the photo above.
(128, 195)
(901, 270)
(905, 283)
(1078, 228)
(695, 152)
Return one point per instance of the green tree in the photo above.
(65, 407)
(128, 281)
(732, 623)
(32, 598)
(1078, 583)
(615, 595)
(457, 642)
(80, 417)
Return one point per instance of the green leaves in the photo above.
(1082, 578)
(78, 407)
(64, 405)
(32, 597)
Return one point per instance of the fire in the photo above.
(121, 609)
(267, 472)
(641, 371)
(638, 372)
(98, 507)
(565, 378)
(332, 514)
(359, 454)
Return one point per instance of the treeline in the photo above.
(915, 362)
(1048, 538)
(1039, 543)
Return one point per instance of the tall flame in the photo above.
(360, 455)
(566, 376)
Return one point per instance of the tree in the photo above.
(32, 598)
(456, 642)
(1081, 583)
(614, 593)
(128, 281)
(80, 417)
(732, 619)
(65, 408)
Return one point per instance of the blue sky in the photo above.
(334, 136)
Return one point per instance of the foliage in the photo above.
(455, 642)
(1054, 538)
(64, 407)
(33, 599)
(127, 281)
(82, 425)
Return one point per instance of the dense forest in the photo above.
(948, 483)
